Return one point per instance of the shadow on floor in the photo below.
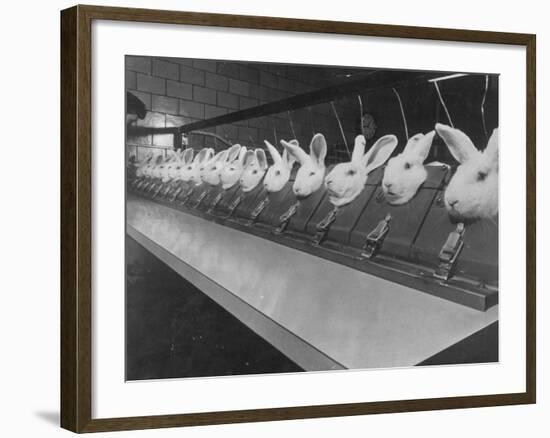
(174, 330)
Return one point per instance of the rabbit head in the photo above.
(254, 171)
(199, 164)
(186, 170)
(159, 168)
(405, 173)
(172, 162)
(175, 168)
(309, 177)
(278, 173)
(232, 171)
(346, 180)
(150, 169)
(472, 192)
(215, 165)
(140, 170)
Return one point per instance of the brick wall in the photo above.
(178, 91)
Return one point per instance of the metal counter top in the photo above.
(321, 314)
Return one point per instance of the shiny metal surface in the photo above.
(356, 319)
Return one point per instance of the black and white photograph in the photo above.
(288, 218)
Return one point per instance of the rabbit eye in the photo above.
(312, 173)
(278, 172)
(254, 172)
(407, 165)
(178, 168)
(189, 168)
(351, 172)
(481, 176)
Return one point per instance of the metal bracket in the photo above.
(448, 255)
(186, 195)
(168, 189)
(324, 226)
(151, 187)
(234, 205)
(285, 217)
(158, 190)
(258, 209)
(215, 202)
(376, 237)
(200, 198)
(176, 193)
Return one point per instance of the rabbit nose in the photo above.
(329, 182)
(453, 203)
(387, 185)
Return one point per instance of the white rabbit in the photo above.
(143, 164)
(232, 171)
(186, 169)
(199, 165)
(346, 180)
(472, 192)
(278, 173)
(405, 173)
(309, 177)
(151, 168)
(214, 167)
(183, 157)
(172, 161)
(254, 171)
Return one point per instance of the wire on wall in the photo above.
(483, 106)
(341, 127)
(402, 113)
(443, 103)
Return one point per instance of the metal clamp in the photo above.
(215, 202)
(200, 198)
(151, 187)
(186, 195)
(158, 190)
(168, 189)
(176, 193)
(323, 226)
(448, 255)
(376, 237)
(285, 217)
(258, 209)
(234, 205)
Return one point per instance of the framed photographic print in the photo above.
(267, 218)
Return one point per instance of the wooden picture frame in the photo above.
(76, 218)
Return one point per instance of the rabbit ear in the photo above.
(273, 152)
(379, 152)
(242, 154)
(199, 157)
(220, 157)
(491, 151)
(288, 159)
(188, 155)
(233, 152)
(419, 146)
(249, 157)
(459, 144)
(358, 149)
(318, 149)
(296, 151)
(261, 158)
